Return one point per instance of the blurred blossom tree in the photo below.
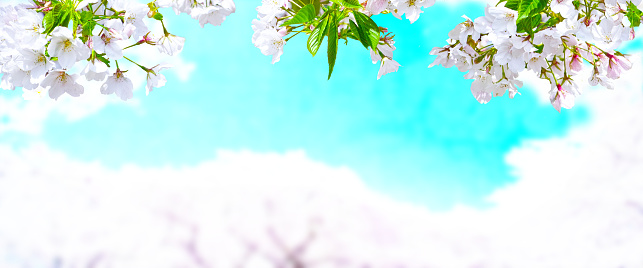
(42, 41)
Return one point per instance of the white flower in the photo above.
(483, 24)
(95, 70)
(35, 60)
(610, 34)
(504, 19)
(214, 14)
(387, 65)
(564, 7)
(20, 78)
(513, 51)
(568, 26)
(463, 56)
(170, 44)
(442, 57)
(615, 65)
(5, 83)
(412, 8)
(134, 24)
(503, 86)
(155, 79)
(68, 49)
(29, 26)
(59, 83)
(119, 84)
(386, 49)
(551, 39)
(480, 88)
(463, 30)
(272, 8)
(561, 97)
(597, 78)
(536, 62)
(179, 6)
(108, 41)
(271, 43)
(377, 6)
(262, 24)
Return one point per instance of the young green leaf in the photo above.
(370, 29)
(633, 14)
(332, 43)
(317, 36)
(51, 19)
(305, 14)
(299, 4)
(526, 8)
(348, 3)
(361, 35)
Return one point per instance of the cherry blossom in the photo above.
(119, 84)
(66, 48)
(155, 78)
(59, 83)
(170, 44)
(387, 65)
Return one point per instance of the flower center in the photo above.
(62, 78)
(277, 44)
(41, 59)
(67, 45)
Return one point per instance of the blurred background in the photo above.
(240, 163)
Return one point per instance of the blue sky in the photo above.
(417, 134)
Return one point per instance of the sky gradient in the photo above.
(417, 134)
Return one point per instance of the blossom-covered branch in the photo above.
(280, 20)
(552, 38)
(42, 42)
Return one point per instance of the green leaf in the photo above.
(527, 25)
(317, 36)
(158, 16)
(332, 43)
(86, 16)
(370, 29)
(526, 8)
(511, 4)
(299, 4)
(529, 8)
(51, 19)
(348, 3)
(317, 4)
(306, 14)
(539, 48)
(101, 57)
(361, 35)
(633, 14)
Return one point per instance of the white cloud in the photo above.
(578, 201)
(266, 210)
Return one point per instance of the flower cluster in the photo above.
(279, 20)
(45, 47)
(551, 39)
(205, 11)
